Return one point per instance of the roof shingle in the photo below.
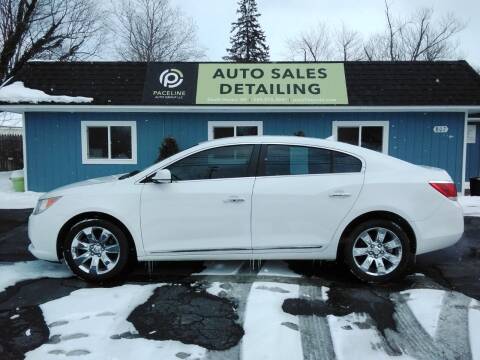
(419, 83)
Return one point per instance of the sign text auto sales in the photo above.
(264, 87)
(271, 84)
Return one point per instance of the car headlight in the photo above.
(44, 204)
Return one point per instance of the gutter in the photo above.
(22, 108)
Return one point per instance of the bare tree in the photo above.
(312, 45)
(153, 30)
(419, 37)
(348, 45)
(46, 29)
(10, 119)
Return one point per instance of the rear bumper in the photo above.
(443, 229)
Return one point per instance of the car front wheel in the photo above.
(378, 251)
(96, 250)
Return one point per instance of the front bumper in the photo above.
(43, 232)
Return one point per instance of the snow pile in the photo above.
(27, 270)
(96, 328)
(470, 205)
(9, 199)
(18, 93)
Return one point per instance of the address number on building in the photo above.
(440, 129)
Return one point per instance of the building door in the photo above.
(223, 129)
(372, 135)
(473, 150)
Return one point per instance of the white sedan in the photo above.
(253, 198)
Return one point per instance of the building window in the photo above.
(109, 142)
(372, 135)
(223, 129)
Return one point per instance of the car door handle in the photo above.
(339, 194)
(234, 200)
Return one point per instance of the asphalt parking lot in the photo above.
(241, 310)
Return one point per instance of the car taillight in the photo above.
(445, 188)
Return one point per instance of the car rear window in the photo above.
(301, 160)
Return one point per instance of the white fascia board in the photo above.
(230, 109)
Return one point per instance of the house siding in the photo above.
(54, 149)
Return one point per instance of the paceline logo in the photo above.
(171, 78)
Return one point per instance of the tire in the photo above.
(108, 248)
(365, 261)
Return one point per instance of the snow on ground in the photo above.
(474, 328)
(18, 93)
(215, 288)
(426, 305)
(10, 274)
(470, 205)
(100, 314)
(221, 268)
(277, 268)
(266, 335)
(350, 342)
(9, 199)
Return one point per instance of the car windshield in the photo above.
(130, 174)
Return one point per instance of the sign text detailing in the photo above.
(272, 84)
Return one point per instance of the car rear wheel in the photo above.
(96, 251)
(378, 251)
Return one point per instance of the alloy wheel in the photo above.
(377, 251)
(95, 250)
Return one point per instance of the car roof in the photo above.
(293, 140)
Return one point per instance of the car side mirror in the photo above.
(162, 177)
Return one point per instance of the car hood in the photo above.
(95, 181)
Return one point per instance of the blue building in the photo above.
(90, 119)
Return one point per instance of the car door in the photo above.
(206, 207)
(301, 195)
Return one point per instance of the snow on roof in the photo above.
(18, 93)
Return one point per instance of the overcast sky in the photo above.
(283, 18)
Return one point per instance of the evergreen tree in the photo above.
(168, 148)
(248, 40)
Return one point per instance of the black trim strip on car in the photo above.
(288, 248)
(201, 250)
(241, 249)
(254, 160)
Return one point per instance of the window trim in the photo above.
(234, 124)
(360, 124)
(84, 137)
(263, 154)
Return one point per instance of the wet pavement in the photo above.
(208, 306)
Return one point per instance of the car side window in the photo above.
(301, 160)
(217, 163)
